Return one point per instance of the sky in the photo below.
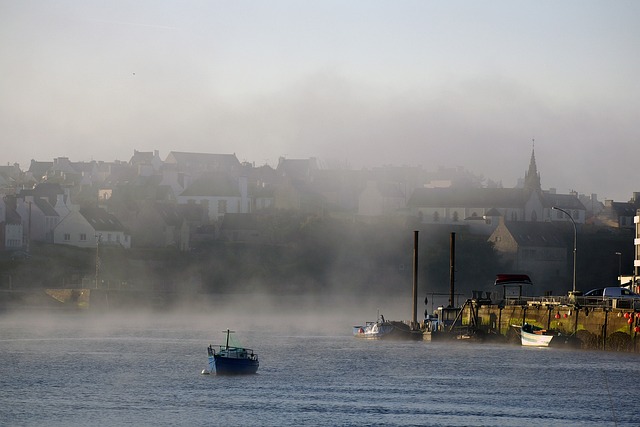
(356, 84)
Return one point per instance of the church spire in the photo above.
(532, 176)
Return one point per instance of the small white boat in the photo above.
(531, 336)
(374, 330)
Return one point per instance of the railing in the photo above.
(590, 302)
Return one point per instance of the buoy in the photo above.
(637, 329)
(566, 315)
(557, 315)
(638, 315)
(630, 321)
(626, 315)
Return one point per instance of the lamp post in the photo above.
(98, 238)
(619, 266)
(575, 243)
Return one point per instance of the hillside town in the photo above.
(190, 198)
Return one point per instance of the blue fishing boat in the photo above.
(230, 360)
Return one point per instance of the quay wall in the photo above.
(597, 327)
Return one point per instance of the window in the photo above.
(436, 216)
(67, 237)
(455, 216)
(83, 237)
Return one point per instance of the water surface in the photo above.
(76, 370)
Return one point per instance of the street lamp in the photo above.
(575, 243)
(98, 238)
(619, 266)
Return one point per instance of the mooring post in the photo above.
(414, 317)
(452, 268)
(604, 329)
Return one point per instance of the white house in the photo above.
(83, 228)
(219, 194)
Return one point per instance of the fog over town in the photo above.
(356, 84)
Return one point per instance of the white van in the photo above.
(612, 292)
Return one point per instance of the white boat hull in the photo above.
(373, 331)
(535, 340)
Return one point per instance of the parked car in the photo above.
(612, 292)
(613, 296)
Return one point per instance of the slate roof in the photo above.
(141, 157)
(45, 190)
(564, 201)
(64, 165)
(297, 168)
(45, 207)
(624, 208)
(203, 161)
(10, 171)
(101, 220)
(39, 169)
(539, 234)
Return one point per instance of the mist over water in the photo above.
(117, 368)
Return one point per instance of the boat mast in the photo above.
(228, 332)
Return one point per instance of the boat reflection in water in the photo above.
(231, 360)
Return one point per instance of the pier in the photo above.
(605, 324)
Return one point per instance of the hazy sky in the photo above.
(446, 83)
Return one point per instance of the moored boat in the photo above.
(531, 336)
(373, 330)
(231, 360)
(385, 329)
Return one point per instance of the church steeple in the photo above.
(532, 177)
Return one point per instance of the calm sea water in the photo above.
(77, 370)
